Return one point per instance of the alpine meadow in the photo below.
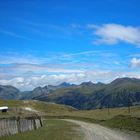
(70, 70)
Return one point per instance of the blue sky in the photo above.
(49, 41)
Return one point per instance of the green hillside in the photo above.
(120, 118)
(121, 92)
(16, 107)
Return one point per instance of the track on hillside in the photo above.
(97, 132)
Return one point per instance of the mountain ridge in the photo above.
(87, 95)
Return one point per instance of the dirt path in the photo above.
(97, 132)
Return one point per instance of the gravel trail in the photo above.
(97, 132)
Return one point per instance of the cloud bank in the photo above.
(28, 82)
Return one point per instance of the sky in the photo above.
(53, 41)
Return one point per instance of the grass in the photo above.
(53, 129)
(52, 109)
(42, 108)
(103, 114)
(119, 118)
(124, 123)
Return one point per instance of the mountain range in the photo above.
(120, 92)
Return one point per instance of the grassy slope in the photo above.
(43, 108)
(51, 109)
(118, 118)
(52, 130)
(124, 123)
(115, 118)
(98, 114)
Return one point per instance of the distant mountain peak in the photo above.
(64, 84)
(124, 79)
(87, 83)
(9, 92)
(100, 83)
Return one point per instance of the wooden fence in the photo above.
(13, 125)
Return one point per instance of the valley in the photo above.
(78, 112)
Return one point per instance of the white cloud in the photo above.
(16, 58)
(28, 83)
(135, 63)
(80, 53)
(37, 68)
(29, 72)
(115, 33)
